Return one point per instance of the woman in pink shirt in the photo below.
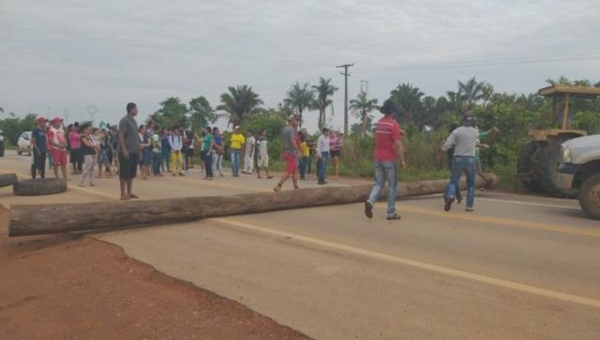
(75, 157)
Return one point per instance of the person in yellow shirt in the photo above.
(236, 142)
(304, 155)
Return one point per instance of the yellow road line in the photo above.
(421, 265)
(503, 221)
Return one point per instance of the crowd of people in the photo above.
(91, 152)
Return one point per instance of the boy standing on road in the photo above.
(176, 144)
(263, 154)
(388, 150)
(40, 147)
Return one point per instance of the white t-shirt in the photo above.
(250, 144)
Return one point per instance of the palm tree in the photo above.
(300, 98)
(239, 102)
(408, 100)
(362, 106)
(323, 90)
(201, 113)
(472, 91)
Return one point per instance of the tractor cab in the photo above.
(538, 160)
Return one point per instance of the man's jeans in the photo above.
(322, 166)
(235, 162)
(39, 164)
(383, 171)
(460, 165)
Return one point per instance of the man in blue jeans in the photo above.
(388, 150)
(322, 156)
(464, 140)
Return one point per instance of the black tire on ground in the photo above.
(589, 197)
(37, 187)
(8, 179)
(548, 160)
(526, 167)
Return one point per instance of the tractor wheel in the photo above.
(589, 197)
(526, 168)
(548, 160)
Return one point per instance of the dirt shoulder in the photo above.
(67, 287)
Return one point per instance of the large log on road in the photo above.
(59, 218)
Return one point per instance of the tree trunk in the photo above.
(59, 218)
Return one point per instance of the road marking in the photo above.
(503, 221)
(527, 203)
(418, 264)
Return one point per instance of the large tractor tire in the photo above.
(38, 186)
(548, 160)
(526, 168)
(589, 197)
(8, 179)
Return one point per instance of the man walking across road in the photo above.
(322, 155)
(290, 153)
(40, 147)
(388, 151)
(129, 149)
(464, 140)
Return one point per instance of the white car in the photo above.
(24, 143)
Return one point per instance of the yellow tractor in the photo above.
(538, 160)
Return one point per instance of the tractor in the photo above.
(538, 160)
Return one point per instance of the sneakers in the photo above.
(368, 209)
(470, 209)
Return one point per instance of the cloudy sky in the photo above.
(67, 55)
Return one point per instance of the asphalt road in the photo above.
(521, 267)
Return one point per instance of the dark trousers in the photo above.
(303, 164)
(156, 160)
(208, 160)
(39, 164)
(77, 159)
(309, 163)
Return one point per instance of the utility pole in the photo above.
(345, 74)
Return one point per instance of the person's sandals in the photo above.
(277, 187)
(368, 209)
(394, 217)
(134, 196)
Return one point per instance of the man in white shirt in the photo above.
(249, 154)
(322, 155)
(176, 143)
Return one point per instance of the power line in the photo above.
(346, 75)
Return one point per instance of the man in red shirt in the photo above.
(388, 150)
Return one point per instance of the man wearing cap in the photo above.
(290, 153)
(237, 140)
(40, 147)
(57, 146)
(388, 151)
(464, 140)
(129, 150)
